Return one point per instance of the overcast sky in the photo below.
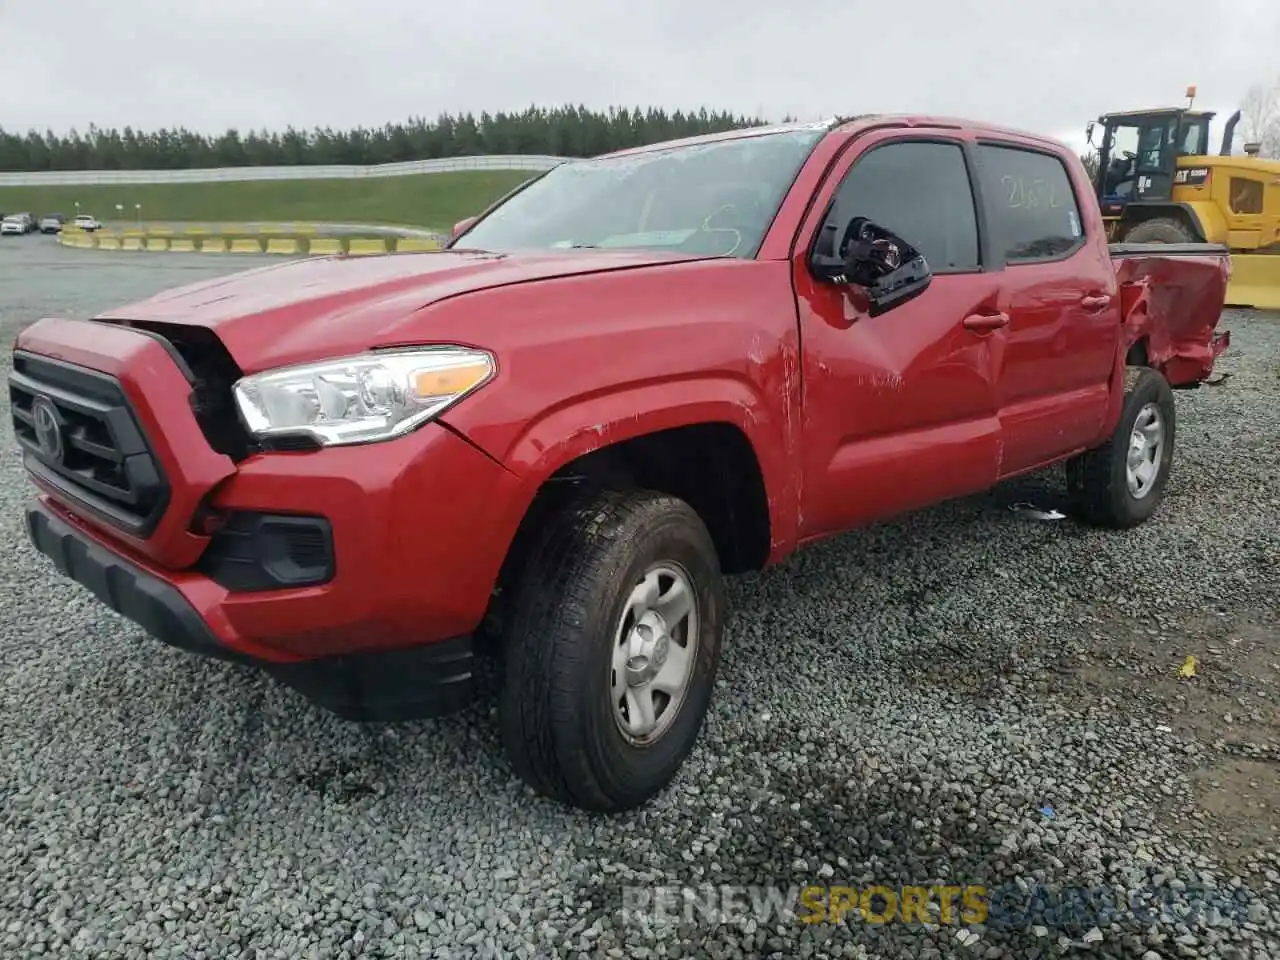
(1046, 65)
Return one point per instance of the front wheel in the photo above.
(611, 652)
(1122, 483)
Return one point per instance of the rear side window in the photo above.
(1033, 210)
(921, 192)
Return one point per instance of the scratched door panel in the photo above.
(901, 409)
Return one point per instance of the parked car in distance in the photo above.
(84, 221)
(52, 223)
(15, 224)
(632, 376)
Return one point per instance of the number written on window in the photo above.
(1036, 193)
(1034, 214)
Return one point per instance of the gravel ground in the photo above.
(962, 697)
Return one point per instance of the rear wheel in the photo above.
(611, 651)
(1122, 483)
(1161, 230)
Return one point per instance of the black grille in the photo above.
(78, 434)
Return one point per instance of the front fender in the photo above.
(585, 424)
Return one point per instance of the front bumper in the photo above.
(411, 683)
(408, 535)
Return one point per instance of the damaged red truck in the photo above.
(629, 377)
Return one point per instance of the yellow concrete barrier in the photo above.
(196, 231)
(325, 246)
(213, 245)
(77, 239)
(416, 244)
(159, 231)
(246, 245)
(157, 243)
(361, 246)
(109, 242)
(282, 245)
(131, 243)
(179, 245)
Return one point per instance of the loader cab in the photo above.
(1138, 156)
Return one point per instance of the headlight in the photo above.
(361, 399)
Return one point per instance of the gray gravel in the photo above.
(962, 696)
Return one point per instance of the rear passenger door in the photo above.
(1060, 294)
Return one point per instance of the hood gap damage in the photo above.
(209, 367)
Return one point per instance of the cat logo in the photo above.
(1191, 176)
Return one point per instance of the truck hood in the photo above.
(322, 307)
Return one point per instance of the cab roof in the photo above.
(1155, 111)
(844, 124)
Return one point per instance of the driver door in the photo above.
(900, 410)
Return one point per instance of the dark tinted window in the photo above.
(1033, 209)
(921, 192)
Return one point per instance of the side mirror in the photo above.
(461, 226)
(887, 269)
(1088, 134)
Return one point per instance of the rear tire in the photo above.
(1122, 483)
(583, 658)
(1161, 230)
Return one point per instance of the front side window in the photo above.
(713, 199)
(1034, 215)
(919, 191)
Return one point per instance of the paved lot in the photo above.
(962, 697)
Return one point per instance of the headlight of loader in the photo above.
(361, 399)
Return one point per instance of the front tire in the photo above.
(1122, 483)
(611, 652)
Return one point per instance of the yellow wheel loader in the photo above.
(1157, 182)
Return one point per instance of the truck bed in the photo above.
(1172, 296)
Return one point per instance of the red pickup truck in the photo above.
(630, 376)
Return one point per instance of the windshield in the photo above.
(715, 198)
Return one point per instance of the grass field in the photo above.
(431, 200)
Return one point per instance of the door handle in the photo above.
(986, 321)
(1100, 302)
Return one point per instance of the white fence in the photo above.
(52, 178)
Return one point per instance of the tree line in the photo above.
(563, 131)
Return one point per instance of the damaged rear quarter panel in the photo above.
(1173, 303)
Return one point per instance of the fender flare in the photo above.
(584, 424)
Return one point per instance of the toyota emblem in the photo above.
(48, 427)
